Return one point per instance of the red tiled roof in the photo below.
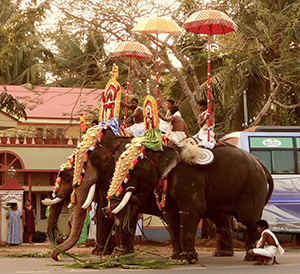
(55, 102)
(11, 184)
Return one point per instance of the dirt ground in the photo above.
(156, 247)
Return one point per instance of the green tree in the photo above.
(263, 59)
(23, 56)
(12, 106)
(79, 62)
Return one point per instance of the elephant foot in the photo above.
(175, 256)
(190, 257)
(98, 250)
(250, 258)
(222, 253)
(120, 252)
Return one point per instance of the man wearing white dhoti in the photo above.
(163, 125)
(177, 130)
(267, 246)
(203, 117)
(136, 120)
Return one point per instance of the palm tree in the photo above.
(80, 65)
(263, 59)
(23, 57)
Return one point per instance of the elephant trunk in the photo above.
(52, 219)
(77, 224)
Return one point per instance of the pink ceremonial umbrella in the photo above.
(130, 49)
(209, 22)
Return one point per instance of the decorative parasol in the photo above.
(209, 22)
(157, 25)
(130, 49)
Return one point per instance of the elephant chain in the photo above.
(206, 179)
(127, 250)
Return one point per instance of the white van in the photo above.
(279, 149)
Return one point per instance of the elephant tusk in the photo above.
(70, 205)
(89, 197)
(49, 202)
(123, 202)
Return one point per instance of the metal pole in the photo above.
(245, 108)
(127, 90)
(157, 74)
(208, 89)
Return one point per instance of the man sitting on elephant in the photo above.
(177, 130)
(135, 122)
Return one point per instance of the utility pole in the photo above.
(245, 108)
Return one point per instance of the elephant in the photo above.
(63, 196)
(235, 183)
(99, 170)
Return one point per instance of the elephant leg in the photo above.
(224, 233)
(125, 234)
(189, 220)
(171, 216)
(252, 236)
(248, 214)
(125, 241)
(104, 227)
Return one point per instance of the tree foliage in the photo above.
(262, 57)
(12, 105)
(264, 61)
(22, 53)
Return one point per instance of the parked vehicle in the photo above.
(279, 149)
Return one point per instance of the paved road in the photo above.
(289, 263)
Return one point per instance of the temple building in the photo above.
(36, 147)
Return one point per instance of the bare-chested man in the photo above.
(135, 122)
(163, 125)
(178, 130)
(267, 246)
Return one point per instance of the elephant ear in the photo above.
(119, 146)
(167, 160)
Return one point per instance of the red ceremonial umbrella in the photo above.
(209, 22)
(130, 49)
(157, 25)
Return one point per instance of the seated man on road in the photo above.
(135, 122)
(177, 130)
(267, 246)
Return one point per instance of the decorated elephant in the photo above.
(98, 169)
(235, 183)
(62, 197)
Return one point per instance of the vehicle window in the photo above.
(277, 161)
(283, 162)
(265, 157)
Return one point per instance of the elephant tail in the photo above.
(270, 180)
